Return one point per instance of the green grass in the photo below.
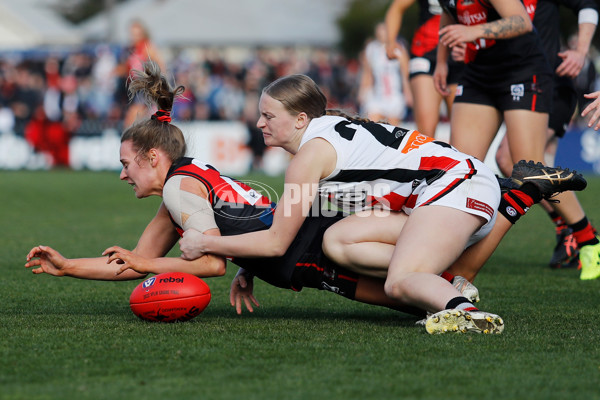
(62, 338)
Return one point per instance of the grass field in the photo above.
(62, 338)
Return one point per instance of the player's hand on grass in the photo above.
(47, 260)
(242, 287)
(594, 109)
(191, 245)
(128, 260)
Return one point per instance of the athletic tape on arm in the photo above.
(189, 210)
(588, 16)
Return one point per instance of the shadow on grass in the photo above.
(102, 310)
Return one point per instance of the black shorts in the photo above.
(532, 91)
(304, 264)
(425, 65)
(563, 106)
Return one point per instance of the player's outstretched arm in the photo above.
(242, 288)
(46, 260)
(204, 267)
(158, 238)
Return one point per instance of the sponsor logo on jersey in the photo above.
(479, 206)
(517, 91)
(330, 288)
(468, 19)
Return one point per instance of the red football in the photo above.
(168, 297)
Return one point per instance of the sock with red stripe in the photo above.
(584, 233)
(461, 303)
(447, 276)
(516, 202)
(558, 221)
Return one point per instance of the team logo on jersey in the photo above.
(517, 91)
(459, 90)
(149, 282)
(511, 211)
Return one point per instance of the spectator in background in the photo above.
(141, 49)
(384, 91)
(48, 137)
(103, 80)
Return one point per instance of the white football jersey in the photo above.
(387, 81)
(400, 169)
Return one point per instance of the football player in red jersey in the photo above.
(426, 100)
(567, 65)
(507, 79)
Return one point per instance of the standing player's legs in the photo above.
(426, 103)
(473, 128)
(526, 134)
(523, 125)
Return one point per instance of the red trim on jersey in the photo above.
(454, 183)
(313, 265)
(530, 6)
(426, 37)
(393, 201)
(534, 99)
(217, 186)
(439, 163)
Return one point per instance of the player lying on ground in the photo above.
(152, 153)
(196, 195)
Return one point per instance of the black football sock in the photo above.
(461, 303)
(516, 202)
(584, 233)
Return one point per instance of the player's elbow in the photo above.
(277, 246)
(527, 25)
(277, 250)
(220, 267)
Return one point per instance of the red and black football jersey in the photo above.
(237, 207)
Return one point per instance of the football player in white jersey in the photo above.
(384, 92)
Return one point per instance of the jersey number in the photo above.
(382, 135)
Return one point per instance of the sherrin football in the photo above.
(169, 297)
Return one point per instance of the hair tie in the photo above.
(162, 116)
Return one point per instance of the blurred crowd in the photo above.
(49, 97)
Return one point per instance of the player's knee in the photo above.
(394, 289)
(333, 245)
